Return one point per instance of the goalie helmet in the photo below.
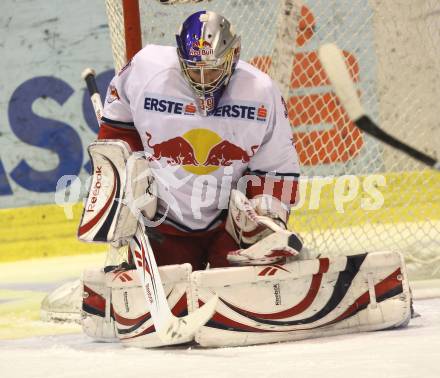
(208, 49)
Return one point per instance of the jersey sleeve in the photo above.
(276, 161)
(117, 121)
(117, 103)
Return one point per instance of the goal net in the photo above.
(356, 194)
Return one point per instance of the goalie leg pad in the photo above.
(133, 322)
(303, 299)
(96, 316)
(122, 185)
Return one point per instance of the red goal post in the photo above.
(392, 51)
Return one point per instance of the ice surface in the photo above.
(30, 348)
(410, 352)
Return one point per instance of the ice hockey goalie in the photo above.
(197, 144)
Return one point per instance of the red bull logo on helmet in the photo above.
(199, 151)
(201, 47)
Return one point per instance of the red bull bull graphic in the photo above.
(177, 150)
(201, 47)
(224, 153)
(199, 151)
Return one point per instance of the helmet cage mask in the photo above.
(206, 76)
(208, 51)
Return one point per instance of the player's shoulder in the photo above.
(156, 57)
(248, 72)
(157, 53)
(249, 81)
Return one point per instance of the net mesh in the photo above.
(392, 49)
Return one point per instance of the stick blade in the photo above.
(185, 328)
(333, 62)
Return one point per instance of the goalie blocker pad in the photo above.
(265, 304)
(121, 184)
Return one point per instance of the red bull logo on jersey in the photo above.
(225, 153)
(176, 150)
(201, 47)
(199, 151)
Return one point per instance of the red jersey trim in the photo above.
(130, 136)
(283, 189)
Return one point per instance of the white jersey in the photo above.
(198, 159)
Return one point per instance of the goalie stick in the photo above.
(334, 65)
(169, 328)
(89, 76)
